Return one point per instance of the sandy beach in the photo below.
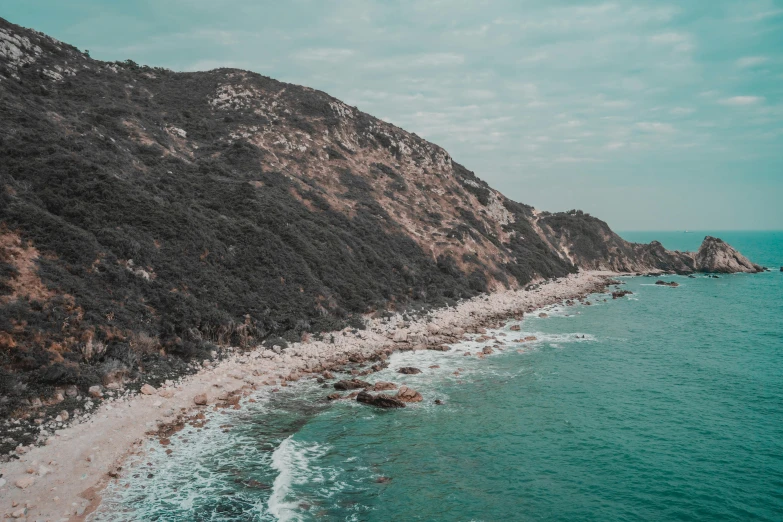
(62, 479)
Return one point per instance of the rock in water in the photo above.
(409, 395)
(664, 283)
(353, 384)
(409, 370)
(717, 256)
(380, 400)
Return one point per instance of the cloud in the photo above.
(615, 145)
(678, 41)
(324, 54)
(761, 15)
(751, 61)
(742, 100)
(417, 61)
(655, 127)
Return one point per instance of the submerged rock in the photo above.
(664, 283)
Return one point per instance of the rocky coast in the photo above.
(62, 478)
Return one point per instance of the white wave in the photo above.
(292, 462)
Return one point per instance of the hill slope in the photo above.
(147, 216)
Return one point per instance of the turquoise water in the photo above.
(664, 405)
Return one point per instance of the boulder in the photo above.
(487, 350)
(379, 366)
(620, 293)
(166, 393)
(352, 384)
(382, 386)
(543, 315)
(400, 336)
(515, 328)
(148, 390)
(200, 399)
(664, 283)
(334, 396)
(406, 394)
(409, 370)
(327, 375)
(381, 400)
(25, 482)
(95, 391)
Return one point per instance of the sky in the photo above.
(651, 115)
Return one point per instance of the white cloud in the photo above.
(417, 61)
(614, 145)
(655, 126)
(324, 54)
(679, 41)
(751, 61)
(742, 100)
(438, 59)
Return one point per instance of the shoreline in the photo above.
(64, 478)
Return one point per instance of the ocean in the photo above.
(666, 404)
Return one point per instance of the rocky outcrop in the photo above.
(406, 394)
(589, 243)
(353, 384)
(717, 256)
(381, 400)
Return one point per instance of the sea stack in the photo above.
(717, 256)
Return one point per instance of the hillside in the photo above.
(148, 216)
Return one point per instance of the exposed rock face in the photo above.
(717, 256)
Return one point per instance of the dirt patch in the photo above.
(22, 256)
